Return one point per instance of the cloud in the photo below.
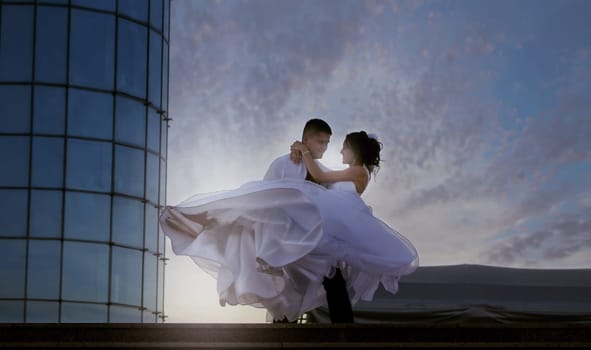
(568, 234)
(250, 56)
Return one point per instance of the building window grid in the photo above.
(160, 254)
(148, 25)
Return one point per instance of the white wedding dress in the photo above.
(271, 243)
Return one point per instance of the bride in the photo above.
(271, 243)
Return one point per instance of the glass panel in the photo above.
(42, 312)
(156, 13)
(148, 316)
(83, 313)
(49, 110)
(152, 169)
(14, 152)
(151, 227)
(150, 285)
(16, 43)
(162, 182)
(128, 221)
(90, 114)
(132, 57)
(166, 11)
(122, 314)
(108, 5)
(85, 271)
(92, 49)
(163, 138)
(161, 243)
(135, 9)
(12, 269)
(126, 282)
(151, 241)
(15, 108)
(46, 213)
(87, 216)
(153, 130)
(43, 279)
(13, 212)
(160, 301)
(52, 44)
(165, 77)
(12, 311)
(48, 162)
(130, 122)
(155, 68)
(129, 171)
(89, 165)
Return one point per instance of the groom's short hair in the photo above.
(314, 126)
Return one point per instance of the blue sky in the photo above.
(483, 107)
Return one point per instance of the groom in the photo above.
(316, 137)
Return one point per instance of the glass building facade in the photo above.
(83, 136)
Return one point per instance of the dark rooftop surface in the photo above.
(289, 336)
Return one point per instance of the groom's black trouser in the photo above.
(339, 304)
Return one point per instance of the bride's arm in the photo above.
(350, 174)
(354, 174)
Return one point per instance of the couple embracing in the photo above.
(299, 239)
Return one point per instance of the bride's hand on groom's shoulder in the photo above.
(296, 154)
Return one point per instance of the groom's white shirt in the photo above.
(284, 168)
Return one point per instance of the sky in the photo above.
(483, 108)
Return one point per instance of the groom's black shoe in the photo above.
(339, 304)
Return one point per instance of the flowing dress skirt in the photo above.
(271, 243)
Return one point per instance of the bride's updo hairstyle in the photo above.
(365, 148)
